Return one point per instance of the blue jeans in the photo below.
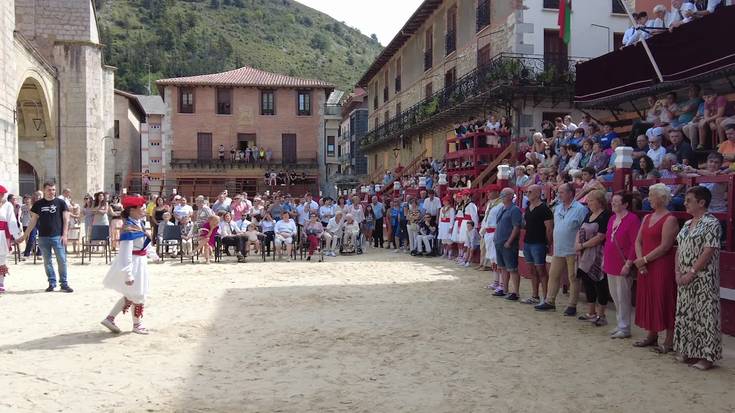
(31, 240)
(46, 244)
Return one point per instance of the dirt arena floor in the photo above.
(373, 333)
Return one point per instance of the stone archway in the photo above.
(27, 178)
(37, 141)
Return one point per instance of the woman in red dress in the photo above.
(656, 295)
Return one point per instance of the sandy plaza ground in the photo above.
(373, 333)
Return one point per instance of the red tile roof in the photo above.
(244, 77)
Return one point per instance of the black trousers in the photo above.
(378, 233)
(596, 291)
(270, 237)
(237, 242)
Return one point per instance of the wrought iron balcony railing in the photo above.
(513, 70)
(483, 14)
(451, 42)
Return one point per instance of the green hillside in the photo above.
(173, 38)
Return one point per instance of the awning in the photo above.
(694, 52)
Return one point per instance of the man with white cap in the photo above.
(8, 230)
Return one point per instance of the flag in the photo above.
(565, 20)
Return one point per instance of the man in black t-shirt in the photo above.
(52, 217)
(539, 223)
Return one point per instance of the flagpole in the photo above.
(645, 44)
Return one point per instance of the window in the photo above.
(617, 7)
(385, 85)
(429, 48)
(398, 75)
(483, 14)
(267, 103)
(428, 90)
(224, 101)
(398, 109)
(117, 129)
(386, 116)
(375, 96)
(450, 39)
(375, 122)
(450, 77)
(330, 146)
(617, 40)
(551, 4)
(483, 55)
(186, 100)
(304, 103)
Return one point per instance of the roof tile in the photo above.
(243, 77)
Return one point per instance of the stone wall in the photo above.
(46, 22)
(8, 93)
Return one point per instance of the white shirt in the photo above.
(304, 210)
(242, 224)
(432, 206)
(183, 210)
(326, 213)
(629, 36)
(285, 226)
(333, 226)
(673, 16)
(7, 214)
(228, 228)
(656, 155)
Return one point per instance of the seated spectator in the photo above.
(334, 229)
(574, 158)
(522, 178)
(313, 231)
(285, 230)
(676, 190)
(669, 109)
(718, 189)
(656, 151)
(590, 183)
(427, 233)
(640, 150)
(549, 161)
(586, 125)
(586, 152)
(652, 117)
(252, 239)
(578, 137)
(267, 226)
(688, 108)
(350, 234)
(598, 160)
(682, 150)
(187, 236)
(646, 169)
(230, 236)
(727, 148)
(715, 108)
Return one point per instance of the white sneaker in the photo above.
(620, 334)
(140, 329)
(396, 250)
(111, 325)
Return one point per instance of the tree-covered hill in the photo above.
(170, 38)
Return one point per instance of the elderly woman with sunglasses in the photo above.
(314, 232)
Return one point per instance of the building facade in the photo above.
(56, 96)
(127, 145)
(209, 119)
(452, 57)
(332, 153)
(152, 169)
(354, 127)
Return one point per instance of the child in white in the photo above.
(472, 242)
(251, 238)
(446, 221)
(128, 274)
(8, 230)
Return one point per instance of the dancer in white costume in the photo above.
(9, 230)
(489, 223)
(128, 274)
(470, 214)
(446, 222)
(457, 225)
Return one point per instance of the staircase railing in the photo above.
(409, 169)
(487, 176)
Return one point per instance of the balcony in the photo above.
(428, 59)
(192, 159)
(450, 40)
(504, 78)
(483, 14)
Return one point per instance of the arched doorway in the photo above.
(27, 177)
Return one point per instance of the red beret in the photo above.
(3, 190)
(133, 201)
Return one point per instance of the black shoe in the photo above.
(66, 289)
(499, 293)
(512, 297)
(545, 307)
(308, 258)
(570, 311)
(50, 288)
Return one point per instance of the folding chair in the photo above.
(171, 237)
(99, 237)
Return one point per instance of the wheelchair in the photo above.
(346, 248)
(303, 247)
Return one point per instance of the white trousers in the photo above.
(620, 291)
(424, 240)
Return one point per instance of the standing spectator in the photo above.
(539, 223)
(52, 218)
(413, 215)
(568, 217)
(656, 291)
(182, 209)
(619, 254)
(222, 204)
(590, 239)
(25, 219)
(507, 234)
(674, 15)
(203, 212)
(697, 336)
(100, 211)
(116, 220)
(268, 155)
(327, 211)
(431, 205)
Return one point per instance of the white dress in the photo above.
(456, 226)
(470, 214)
(7, 214)
(126, 264)
(446, 221)
(491, 221)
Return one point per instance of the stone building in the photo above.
(210, 118)
(127, 143)
(332, 154)
(56, 96)
(454, 59)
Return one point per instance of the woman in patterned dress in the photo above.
(697, 334)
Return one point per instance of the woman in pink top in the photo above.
(618, 257)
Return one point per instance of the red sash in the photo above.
(489, 230)
(5, 228)
(445, 220)
(140, 253)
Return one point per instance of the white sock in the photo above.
(2, 280)
(117, 308)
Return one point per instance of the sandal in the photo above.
(648, 342)
(703, 365)
(662, 349)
